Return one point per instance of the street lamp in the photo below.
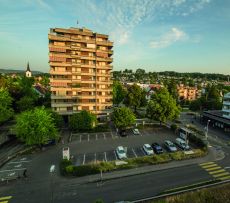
(52, 170)
(206, 134)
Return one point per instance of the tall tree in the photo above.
(134, 96)
(6, 112)
(83, 121)
(162, 106)
(119, 92)
(36, 127)
(123, 117)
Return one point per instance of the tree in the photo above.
(162, 106)
(58, 119)
(6, 112)
(36, 127)
(83, 121)
(123, 117)
(25, 103)
(119, 92)
(172, 88)
(134, 96)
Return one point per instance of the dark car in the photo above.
(157, 148)
(123, 133)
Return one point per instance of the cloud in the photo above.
(174, 35)
(120, 17)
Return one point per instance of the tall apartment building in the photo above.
(226, 105)
(80, 68)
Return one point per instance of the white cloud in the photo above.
(120, 17)
(169, 38)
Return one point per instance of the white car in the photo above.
(136, 131)
(121, 153)
(148, 149)
(182, 144)
(170, 146)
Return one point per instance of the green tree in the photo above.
(58, 119)
(162, 106)
(36, 127)
(119, 92)
(25, 103)
(134, 96)
(83, 121)
(123, 117)
(6, 112)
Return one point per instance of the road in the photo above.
(38, 189)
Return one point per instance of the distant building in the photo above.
(219, 118)
(28, 72)
(188, 93)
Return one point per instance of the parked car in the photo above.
(157, 148)
(136, 131)
(182, 144)
(121, 153)
(148, 149)
(123, 133)
(170, 146)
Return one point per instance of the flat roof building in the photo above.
(80, 68)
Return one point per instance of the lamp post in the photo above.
(52, 170)
(206, 133)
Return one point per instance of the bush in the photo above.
(180, 155)
(63, 165)
(197, 141)
(174, 127)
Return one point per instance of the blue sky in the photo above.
(157, 35)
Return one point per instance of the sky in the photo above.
(156, 35)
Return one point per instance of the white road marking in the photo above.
(17, 162)
(134, 153)
(227, 167)
(96, 136)
(95, 158)
(105, 157)
(20, 169)
(115, 155)
(88, 137)
(80, 138)
(104, 136)
(112, 135)
(83, 160)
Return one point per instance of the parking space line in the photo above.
(80, 138)
(115, 155)
(88, 137)
(112, 135)
(104, 136)
(105, 157)
(83, 160)
(134, 153)
(143, 151)
(96, 136)
(95, 158)
(17, 162)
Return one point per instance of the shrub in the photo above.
(63, 165)
(197, 141)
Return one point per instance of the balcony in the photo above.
(60, 64)
(58, 37)
(62, 104)
(60, 72)
(105, 43)
(61, 80)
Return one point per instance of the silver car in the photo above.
(170, 146)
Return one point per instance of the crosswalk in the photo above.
(5, 199)
(215, 170)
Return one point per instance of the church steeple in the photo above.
(28, 72)
(28, 67)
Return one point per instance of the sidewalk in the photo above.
(213, 155)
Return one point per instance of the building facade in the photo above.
(226, 105)
(80, 68)
(188, 93)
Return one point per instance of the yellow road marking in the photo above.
(5, 198)
(221, 174)
(207, 163)
(212, 169)
(209, 166)
(219, 171)
(225, 178)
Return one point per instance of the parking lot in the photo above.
(98, 147)
(14, 168)
(87, 137)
